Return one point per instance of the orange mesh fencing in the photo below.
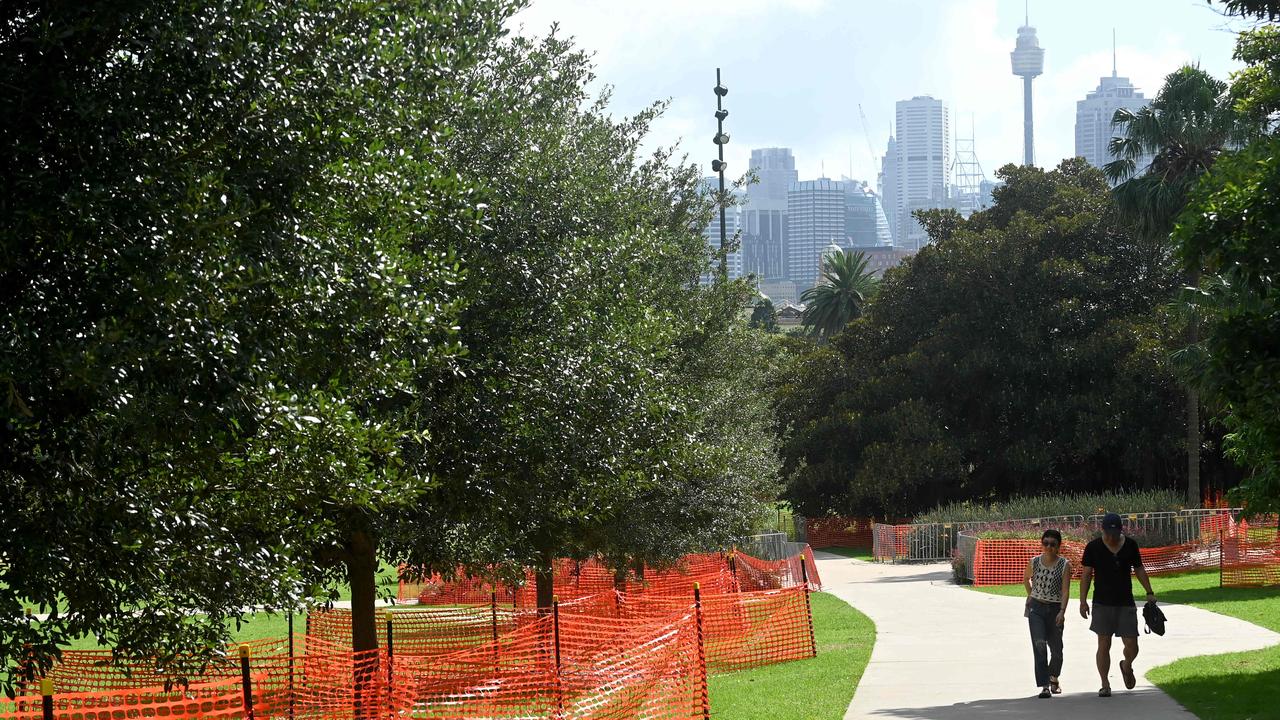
(603, 653)
(743, 630)
(217, 699)
(838, 532)
(426, 631)
(580, 667)
(890, 542)
(1247, 555)
(1251, 558)
(321, 684)
(86, 671)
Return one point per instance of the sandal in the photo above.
(1054, 687)
(1104, 692)
(1127, 671)
(1044, 693)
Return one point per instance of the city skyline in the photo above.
(798, 70)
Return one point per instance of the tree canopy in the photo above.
(1229, 229)
(295, 288)
(1020, 351)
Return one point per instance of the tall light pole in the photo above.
(721, 139)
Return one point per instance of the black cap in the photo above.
(1111, 521)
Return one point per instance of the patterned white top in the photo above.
(1046, 582)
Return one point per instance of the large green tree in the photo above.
(577, 404)
(1020, 351)
(1183, 131)
(1231, 231)
(217, 302)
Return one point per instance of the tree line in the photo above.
(1074, 336)
(293, 289)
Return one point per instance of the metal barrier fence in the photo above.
(935, 542)
(770, 546)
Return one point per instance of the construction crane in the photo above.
(871, 148)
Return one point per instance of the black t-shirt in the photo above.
(1111, 571)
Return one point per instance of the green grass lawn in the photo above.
(1234, 686)
(811, 689)
(856, 553)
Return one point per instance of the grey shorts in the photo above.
(1118, 620)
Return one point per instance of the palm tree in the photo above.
(841, 294)
(1184, 130)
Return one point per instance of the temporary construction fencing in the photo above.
(713, 572)
(642, 652)
(847, 532)
(570, 665)
(1245, 556)
(1250, 557)
(216, 699)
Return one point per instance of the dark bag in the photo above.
(1154, 617)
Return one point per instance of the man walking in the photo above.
(1110, 559)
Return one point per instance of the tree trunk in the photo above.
(362, 564)
(362, 568)
(1193, 447)
(544, 582)
(1193, 410)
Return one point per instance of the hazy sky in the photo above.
(798, 69)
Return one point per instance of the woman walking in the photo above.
(1048, 582)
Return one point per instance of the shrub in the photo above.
(1083, 534)
(1053, 505)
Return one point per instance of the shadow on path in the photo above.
(1074, 706)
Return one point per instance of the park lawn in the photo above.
(855, 553)
(810, 689)
(1214, 687)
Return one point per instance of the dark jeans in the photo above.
(1046, 640)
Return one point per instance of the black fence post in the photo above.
(291, 667)
(246, 682)
(46, 698)
(555, 620)
(493, 608)
(391, 661)
(704, 693)
(808, 610)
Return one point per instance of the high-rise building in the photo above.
(864, 219)
(1094, 126)
(888, 186)
(732, 224)
(815, 220)
(922, 156)
(1028, 62)
(764, 214)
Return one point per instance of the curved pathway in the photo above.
(944, 651)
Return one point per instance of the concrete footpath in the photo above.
(944, 651)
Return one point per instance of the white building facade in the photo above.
(923, 155)
(815, 220)
(1094, 127)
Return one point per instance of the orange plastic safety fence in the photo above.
(756, 574)
(838, 532)
(429, 630)
(573, 666)
(1251, 558)
(890, 542)
(218, 699)
(81, 671)
(746, 629)
(1247, 555)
